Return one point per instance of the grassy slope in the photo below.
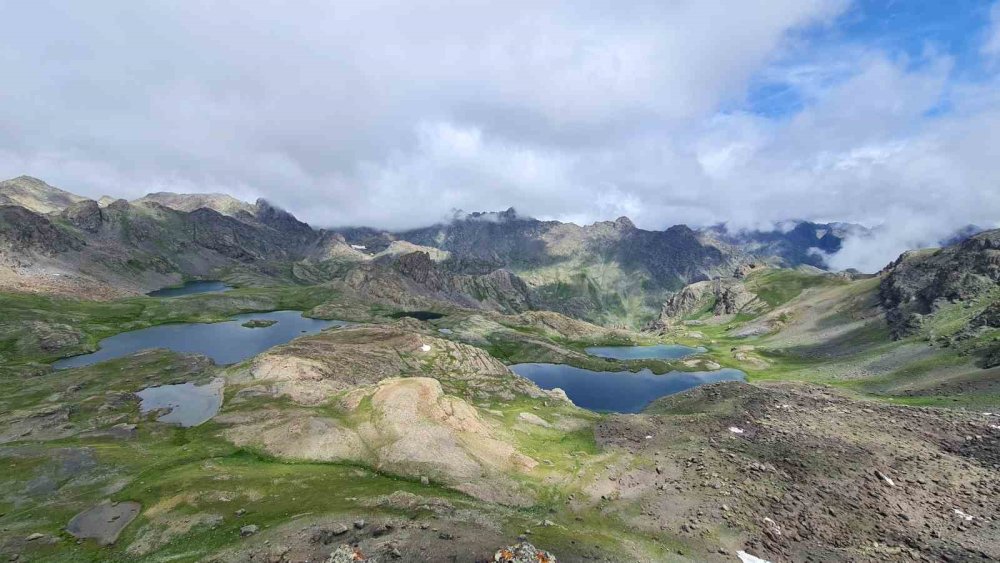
(165, 463)
(187, 473)
(831, 332)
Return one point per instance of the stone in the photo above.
(523, 552)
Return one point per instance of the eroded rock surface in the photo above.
(407, 426)
(104, 522)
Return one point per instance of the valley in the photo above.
(795, 413)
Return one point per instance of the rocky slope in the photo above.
(920, 283)
(666, 258)
(35, 195)
(722, 297)
(609, 272)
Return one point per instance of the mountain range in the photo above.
(854, 417)
(610, 272)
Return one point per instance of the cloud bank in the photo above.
(393, 114)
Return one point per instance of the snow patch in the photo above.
(747, 558)
(963, 515)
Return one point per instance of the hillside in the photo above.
(405, 434)
(610, 272)
(35, 195)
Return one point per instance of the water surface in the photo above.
(191, 288)
(188, 404)
(419, 315)
(226, 342)
(658, 351)
(618, 391)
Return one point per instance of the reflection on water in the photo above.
(659, 351)
(618, 391)
(188, 404)
(191, 288)
(226, 342)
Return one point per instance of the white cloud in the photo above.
(394, 114)
(991, 47)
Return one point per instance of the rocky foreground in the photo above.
(395, 438)
(402, 445)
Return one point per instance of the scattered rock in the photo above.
(248, 530)
(533, 419)
(523, 552)
(348, 554)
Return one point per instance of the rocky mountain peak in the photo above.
(624, 223)
(918, 283)
(34, 194)
(223, 203)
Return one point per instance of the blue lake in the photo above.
(658, 351)
(226, 342)
(618, 391)
(191, 288)
(186, 404)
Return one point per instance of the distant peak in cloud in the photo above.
(394, 114)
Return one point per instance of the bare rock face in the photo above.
(406, 426)
(919, 282)
(725, 296)
(415, 280)
(23, 232)
(310, 369)
(104, 522)
(988, 318)
(85, 215)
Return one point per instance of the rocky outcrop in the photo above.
(724, 296)
(920, 282)
(310, 369)
(989, 318)
(523, 552)
(407, 426)
(85, 215)
(23, 232)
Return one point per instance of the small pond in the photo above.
(658, 351)
(618, 391)
(191, 288)
(226, 342)
(187, 404)
(419, 315)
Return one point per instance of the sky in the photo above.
(394, 114)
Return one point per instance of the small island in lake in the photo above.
(259, 323)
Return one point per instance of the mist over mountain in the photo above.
(532, 281)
